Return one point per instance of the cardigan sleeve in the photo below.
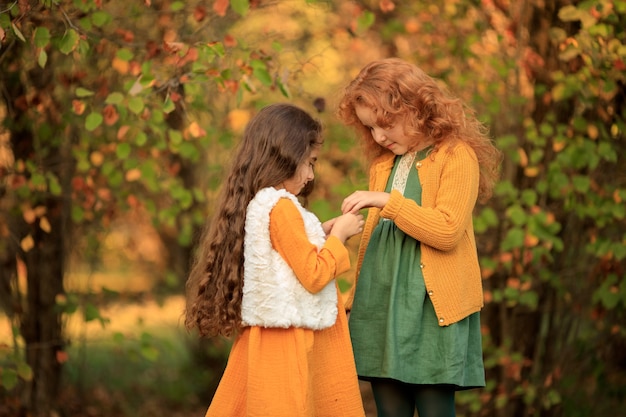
(314, 269)
(442, 222)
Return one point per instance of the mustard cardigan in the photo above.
(443, 225)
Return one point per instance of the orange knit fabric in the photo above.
(294, 372)
(443, 225)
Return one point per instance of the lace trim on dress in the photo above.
(402, 172)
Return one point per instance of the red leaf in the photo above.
(230, 41)
(110, 115)
(199, 13)
(220, 7)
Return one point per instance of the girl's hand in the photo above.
(364, 199)
(347, 225)
(328, 225)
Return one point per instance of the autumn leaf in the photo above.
(199, 13)
(133, 175)
(27, 243)
(110, 115)
(44, 224)
(78, 106)
(386, 6)
(120, 65)
(195, 130)
(220, 7)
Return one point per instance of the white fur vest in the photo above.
(272, 294)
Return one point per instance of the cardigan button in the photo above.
(441, 320)
(418, 164)
(422, 265)
(430, 293)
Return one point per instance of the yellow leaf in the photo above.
(531, 171)
(195, 130)
(120, 65)
(593, 132)
(133, 175)
(29, 215)
(238, 119)
(27, 243)
(45, 224)
(96, 158)
(523, 158)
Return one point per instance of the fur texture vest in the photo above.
(272, 294)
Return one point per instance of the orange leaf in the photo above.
(96, 158)
(78, 106)
(220, 7)
(27, 243)
(386, 6)
(195, 130)
(62, 356)
(44, 224)
(230, 41)
(120, 66)
(29, 215)
(110, 115)
(133, 175)
(122, 132)
(199, 13)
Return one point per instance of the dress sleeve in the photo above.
(314, 269)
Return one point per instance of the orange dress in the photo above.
(294, 372)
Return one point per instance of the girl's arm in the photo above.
(442, 225)
(314, 269)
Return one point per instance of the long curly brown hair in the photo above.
(275, 142)
(400, 92)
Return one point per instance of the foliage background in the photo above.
(117, 122)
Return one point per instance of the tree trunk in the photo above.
(36, 311)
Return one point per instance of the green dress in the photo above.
(393, 326)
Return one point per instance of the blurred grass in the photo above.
(143, 364)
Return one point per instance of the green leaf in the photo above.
(24, 371)
(284, 90)
(114, 98)
(136, 105)
(41, 37)
(123, 150)
(92, 121)
(42, 58)
(17, 32)
(513, 239)
(9, 378)
(69, 41)
(54, 186)
(366, 20)
(150, 353)
(168, 105)
(91, 312)
(240, 7)
(517, 215)
(177, 6)
(124, 54)
(569, 13)
(259, 69)
(100, 18)
(581, 183)
(141, 139)
(78, 214)
(83, 92)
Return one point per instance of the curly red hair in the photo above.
(400, 92)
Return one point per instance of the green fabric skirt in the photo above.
(393, 326)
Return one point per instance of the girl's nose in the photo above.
(379, 136)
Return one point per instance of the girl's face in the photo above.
(392, 138)
(304, 173)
